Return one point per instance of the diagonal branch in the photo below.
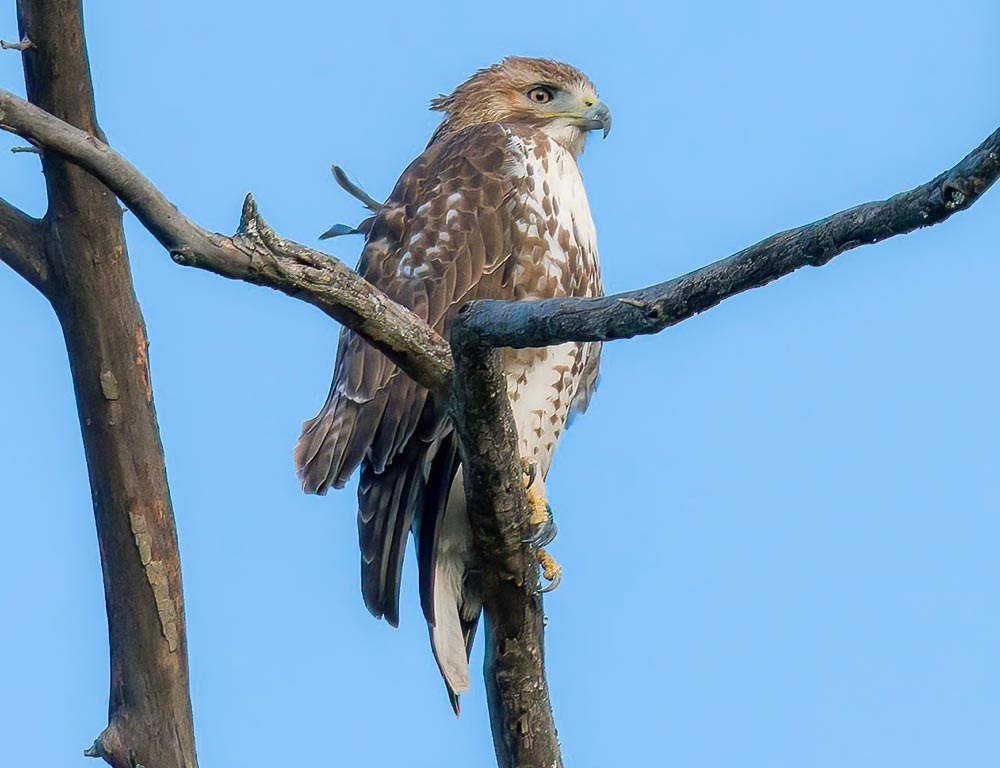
(650, 310)
(22, 246)
(255, 254)
(329, 284)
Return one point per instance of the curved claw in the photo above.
(551, 571)
(552, 584)
(544, 534)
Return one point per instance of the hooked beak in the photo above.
(598, 117)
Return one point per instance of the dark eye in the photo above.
(540, 94)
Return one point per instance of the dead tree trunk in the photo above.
(85, 275)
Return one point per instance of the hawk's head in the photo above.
(538, 93)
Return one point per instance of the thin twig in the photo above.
(21, 45)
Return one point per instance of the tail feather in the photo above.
(454, 593)
(447, 635)
(440, 481)
(469, 632)
(455, 630)
(418, 488)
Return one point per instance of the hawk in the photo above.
(494, 208)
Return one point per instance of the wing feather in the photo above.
(442, 238)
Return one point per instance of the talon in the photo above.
(546, 532)
(551, 571)
(541, 522)
(530, 470)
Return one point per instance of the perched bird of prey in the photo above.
(494, 208)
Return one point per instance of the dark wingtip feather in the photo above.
(386, 504)
(315, 476)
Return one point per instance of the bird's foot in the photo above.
(541, 522)
(551, 570)
(542, 525)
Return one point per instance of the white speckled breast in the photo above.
(558, 257)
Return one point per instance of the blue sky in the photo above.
(778, 521)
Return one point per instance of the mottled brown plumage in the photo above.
(495, 208)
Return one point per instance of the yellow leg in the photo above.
(538, 506)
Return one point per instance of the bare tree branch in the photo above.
(650, 310)
(255, 254)
(22, 245)
(90, 288)
(329, 284)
